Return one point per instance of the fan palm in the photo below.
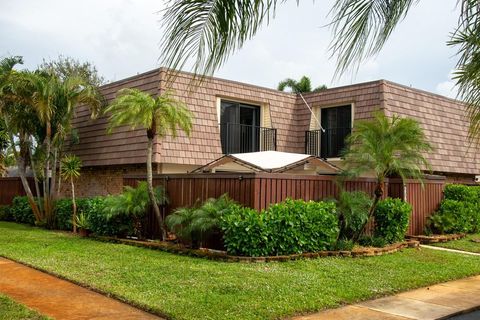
(160, 116)
(386, 147)
(304, 85)
(70, 171)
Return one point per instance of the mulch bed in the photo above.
(223, 256)
(437, 238)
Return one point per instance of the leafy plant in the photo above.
(6, 213)
(199, 222)
(344, 245)
(21, 210)
(293, 226)
(455, 216)
(391, 219)
(82, 222)
(64, 212)
(133, 203)
(371, 241)
(103, 225)
(352, 210)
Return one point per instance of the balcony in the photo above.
(241, 138)
(328, 144)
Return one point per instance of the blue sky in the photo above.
(121, 38)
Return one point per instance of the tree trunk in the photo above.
(48, 200)
(74, 205)
(378, 195)
(35, 176)
(21, 172)
(151, 193)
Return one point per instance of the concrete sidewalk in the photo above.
(434, 302)
(61, 299)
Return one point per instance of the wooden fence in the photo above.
(12, 187)
(259, 190)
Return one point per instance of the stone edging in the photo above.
(437, 238)
(222, 256)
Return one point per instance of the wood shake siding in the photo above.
(445, 124)
(204, 144)
(123, 145)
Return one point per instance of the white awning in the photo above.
(268, 161)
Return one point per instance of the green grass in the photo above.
(465, 244)
(11, 310)
(192, 288)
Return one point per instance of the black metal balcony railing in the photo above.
(328, 144)
(241, 138)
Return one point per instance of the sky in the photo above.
(121, 37)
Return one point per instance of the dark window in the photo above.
(337, 123)
(239, 127)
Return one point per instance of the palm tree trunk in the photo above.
(48, 205)
(74, 204)
(35, 176)
(151, 193)
(378, 195)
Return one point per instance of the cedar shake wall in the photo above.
(204, 145)
(123, 146)
(445, 124)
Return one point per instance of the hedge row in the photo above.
(459, 211)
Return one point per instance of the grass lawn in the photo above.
(465, 244)
(192, 288)
(10, 310)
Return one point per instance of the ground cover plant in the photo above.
(11, 310)
(470, 243)
(191, 288)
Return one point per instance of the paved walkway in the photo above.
(435, 302)
(61, 299)
(450, 250)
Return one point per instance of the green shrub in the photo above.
(64, 212)
(103, 225)
(462, 193)
(352, 209)
(391, 219)
(371, 241)
(455, 217)
(344, 245)
(201, 221)
(6, 214)
(21, 211)
(293, 226)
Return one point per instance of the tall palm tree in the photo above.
(386, 147)
(54, 101)
(304, 85)
(70, 171)
(208, 32)
(160, 116)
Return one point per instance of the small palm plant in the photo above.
(159, 116)
(71, 166)
(386, 147)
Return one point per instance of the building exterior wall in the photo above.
(445, 124)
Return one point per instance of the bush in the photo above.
(21, 211)
(462, 193)
(103, 225)
(6, 214)
(344, 245)
(352, 209)
(293, 226)
(64, 212)
(201, 221)
(369, 241)
(455, 217)
(391, 219)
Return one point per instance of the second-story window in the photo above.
(240, 129)
(337, 122)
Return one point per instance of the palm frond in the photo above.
(209, 31)
(361, 28)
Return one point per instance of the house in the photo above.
(233, 117)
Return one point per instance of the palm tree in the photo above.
(209, 31)
(160, 116)
(386, 147)
(304, 85)
(71, 165)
